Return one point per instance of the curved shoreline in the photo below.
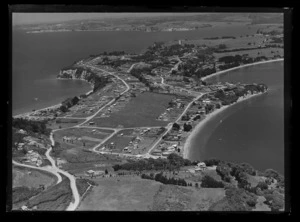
(55, 106)
(201, 125)
(239, 67)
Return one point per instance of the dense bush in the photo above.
(224, 171)
(173, 162)
(212, 162)
(275, 200)
(210, 182)
(235, 200)
(246, 167)
(240, 176)
(262, 185)
(226, 99)
(160, 177)
(31, 126)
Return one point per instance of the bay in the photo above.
(251, 131)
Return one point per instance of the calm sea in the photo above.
(37, 59)
(252, 131)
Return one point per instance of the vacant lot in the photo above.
(119, 141)
(140, 111)
(80, 137)
(121, 194)
(31, 178)
(63, 123)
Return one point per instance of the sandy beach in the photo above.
(53, 107)
(38, 110)
(239, 67)
(200, 126)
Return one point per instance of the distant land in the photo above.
(184, 22)
(123, 146)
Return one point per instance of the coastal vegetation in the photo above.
(173, 162)
(30, 126)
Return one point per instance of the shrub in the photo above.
(262, 185)
(212, 162)
(248, 169)
(275, 200)
(224, 171)
(210, 182)
(31, 126)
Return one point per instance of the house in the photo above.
(22, 131)
(24, 208)
(200, 166)
(90, 172)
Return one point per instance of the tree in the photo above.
(210, 182)
(262, 185)
(63, 109)
(187, 127)
(176, 126)
(16, 139)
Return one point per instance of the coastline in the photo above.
(204, 78)
(239, 67)
(210, 116)
(52, 107)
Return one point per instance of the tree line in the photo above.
(173, 162)
(31, 125)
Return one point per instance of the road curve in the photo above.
(49, 170)
(72, 179)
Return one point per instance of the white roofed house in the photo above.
(200, 166)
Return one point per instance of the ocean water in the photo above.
(252, 131)
(37, 59)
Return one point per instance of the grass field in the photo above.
(120, 194)
(89, 137)
(119, 141)
(63, 123)
(140, 111)
(57, 197)
(176, 198)
(31, 178)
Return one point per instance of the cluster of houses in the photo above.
(166, 148)
(70, 139)
(34, 158)
(29, 141)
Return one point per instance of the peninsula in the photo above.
(133, 128)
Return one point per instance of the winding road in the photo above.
(57, 171)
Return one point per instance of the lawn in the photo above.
(120, 194)
(140, 111)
